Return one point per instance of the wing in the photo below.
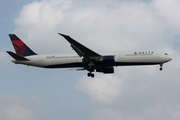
(80, 49)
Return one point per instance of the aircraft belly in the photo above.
(134, 63)
(74, 61)
(66, 65)
(55, 62)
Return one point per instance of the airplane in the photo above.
(86, 59)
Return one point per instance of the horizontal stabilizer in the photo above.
(16, 56)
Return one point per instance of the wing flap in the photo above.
(77, 50)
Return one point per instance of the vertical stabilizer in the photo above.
(20, 47)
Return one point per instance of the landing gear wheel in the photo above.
(161, 67)
(90, 75)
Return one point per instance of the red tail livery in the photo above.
(20, 47)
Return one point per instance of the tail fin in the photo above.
(20, 47)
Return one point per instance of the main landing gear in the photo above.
(161, 67)
(90, 69)
(90, 74)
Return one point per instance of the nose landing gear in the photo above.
(161, 67)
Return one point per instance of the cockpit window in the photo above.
(165, 53)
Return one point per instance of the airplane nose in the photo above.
(169, 58)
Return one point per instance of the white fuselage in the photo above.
(122, 59)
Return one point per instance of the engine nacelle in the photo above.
(108, 60)
(106, 70)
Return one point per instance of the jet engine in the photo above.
(106, 70)
(108, 60)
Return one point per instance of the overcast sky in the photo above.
(132, 93)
